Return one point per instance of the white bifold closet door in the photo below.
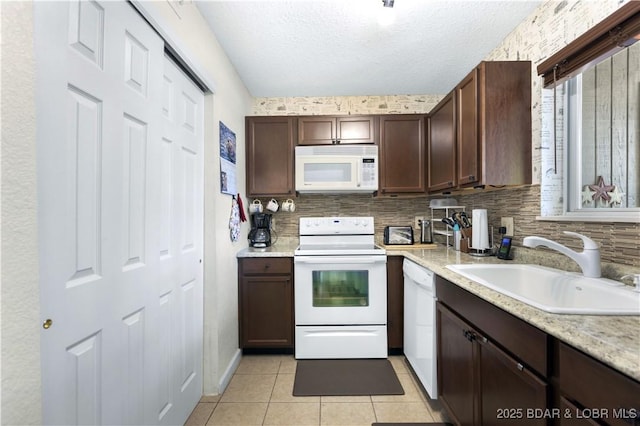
(120, 182)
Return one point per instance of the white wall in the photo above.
(21, 322)
(20, 290)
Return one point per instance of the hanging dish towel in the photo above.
(234, 220)
(243, 216)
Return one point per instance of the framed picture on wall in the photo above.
(227, 160)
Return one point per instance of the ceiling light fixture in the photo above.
(387, 3)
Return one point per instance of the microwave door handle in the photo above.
(358, 174)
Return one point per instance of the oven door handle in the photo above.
(324, 260)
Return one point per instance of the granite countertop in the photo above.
(614, 340)
(282, 248)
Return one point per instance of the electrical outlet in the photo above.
(416, 221)
(507, 222)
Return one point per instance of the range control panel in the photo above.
(336, 225)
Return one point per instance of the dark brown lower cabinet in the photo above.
(594, 393)
(568, 416)
(456, 367)
(496, 369)
(395, 304)
(509, 393)
(480, 382)
(265, 294)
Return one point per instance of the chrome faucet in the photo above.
(588, 259)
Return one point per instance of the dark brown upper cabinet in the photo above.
(328, 130)
(480, 134)
(493, 132)
(402, 154)
(441, 164)
(469, 160)
(270, 145)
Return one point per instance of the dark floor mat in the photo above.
(339, 377)
(411, 424)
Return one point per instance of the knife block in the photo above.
(465, 241)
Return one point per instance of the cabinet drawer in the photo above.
(267, 265)
(595, 386)
(523, 340)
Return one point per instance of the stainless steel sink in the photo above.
(553, 290)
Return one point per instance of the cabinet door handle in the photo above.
(470, 336)
(520, 367)
(472, 177)
(450, 183)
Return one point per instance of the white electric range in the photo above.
(340, 289)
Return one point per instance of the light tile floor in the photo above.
(260, 393)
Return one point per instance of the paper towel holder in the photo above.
(484, 252)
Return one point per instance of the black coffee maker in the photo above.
(260, 233)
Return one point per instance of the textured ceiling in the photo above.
(340, 48)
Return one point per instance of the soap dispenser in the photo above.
(636, 281)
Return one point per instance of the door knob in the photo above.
(47, 324)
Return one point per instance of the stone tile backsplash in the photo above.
(620, 242)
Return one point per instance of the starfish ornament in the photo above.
(617, 196)
(587, 195)
(601, 190)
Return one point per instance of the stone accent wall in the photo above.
(346, 105)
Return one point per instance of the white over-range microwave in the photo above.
(336, 168)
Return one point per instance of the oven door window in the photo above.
(340, 288)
